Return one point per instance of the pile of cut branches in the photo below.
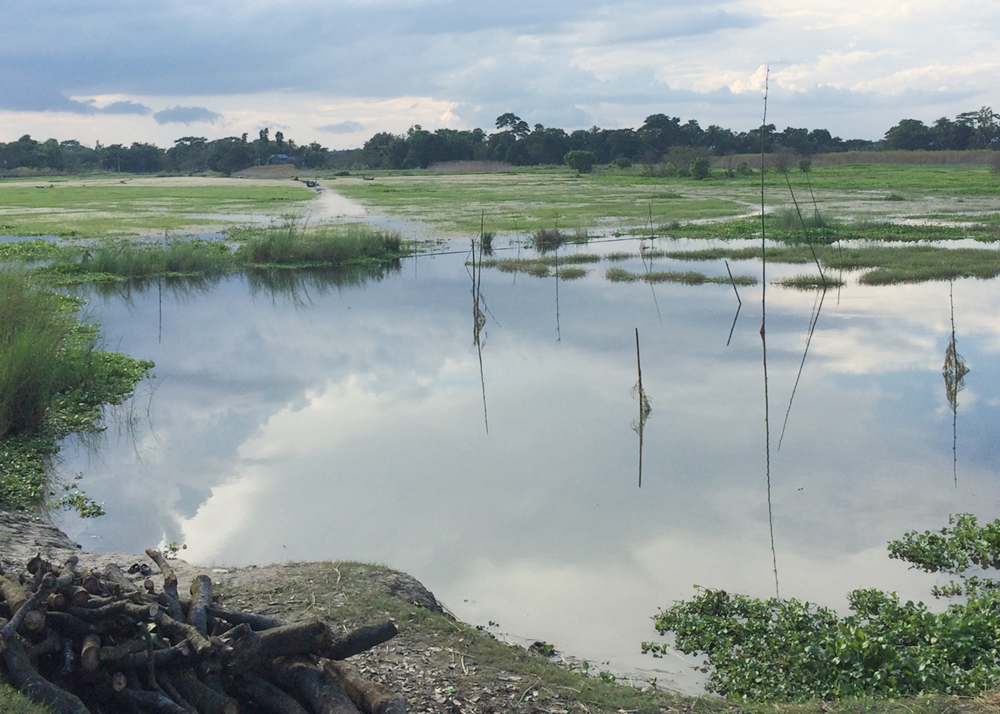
(83, 642)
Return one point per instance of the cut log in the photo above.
(34, 686)
(323, 694)
(357, 641)
(265, 695)
(254, 649)
(175, 628)
(149, 702)
(169, 579)
(205, 699)
(369, 696)
(201, 598)
(257, 622)
(90, 653)
(13, 593)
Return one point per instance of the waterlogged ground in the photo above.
(356, 420)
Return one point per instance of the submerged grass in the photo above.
(288, 246)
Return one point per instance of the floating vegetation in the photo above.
(546, 240)
(618, 256)
(620, 275)
(287, 246)
(542, 266)
(809, 282)
(572, 273)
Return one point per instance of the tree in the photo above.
(512, 123)
(582, 161)
(908, 135)
(986, 129)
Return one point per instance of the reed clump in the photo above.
(326, 245)
(39, 356)
(548, 239)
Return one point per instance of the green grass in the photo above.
(523, 202)
(100, 208)
(287, 246)
(620, 275)
(54, 381)
(882, 264)
(325, 245)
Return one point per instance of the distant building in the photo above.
(275, 159)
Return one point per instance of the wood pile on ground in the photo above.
(85, 642)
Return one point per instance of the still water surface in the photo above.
(348, 423)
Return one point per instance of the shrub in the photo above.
(582, 161)
(700, 168)
(623, 162)
(744, 170)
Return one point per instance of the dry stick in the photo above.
(477, 314)
(763, 338)
(805, 232)
(638, 367)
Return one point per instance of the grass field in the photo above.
(102, 207)
(522, 201)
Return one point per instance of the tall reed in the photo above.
(40, 352)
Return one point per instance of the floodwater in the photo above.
(353, 419)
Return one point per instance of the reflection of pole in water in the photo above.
(739, 304)
(645, 407)
(558, 330)
(763, 338)
(479, 321)
(954, 372)
(813, 319)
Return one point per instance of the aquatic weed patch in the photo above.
(54, 381)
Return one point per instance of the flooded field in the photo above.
(333, 418)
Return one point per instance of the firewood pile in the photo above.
(84, 642)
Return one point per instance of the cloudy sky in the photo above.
(337, 71)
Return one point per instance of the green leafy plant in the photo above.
(787, 650)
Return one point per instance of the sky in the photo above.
(339, 71)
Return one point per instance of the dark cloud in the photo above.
(126, 108)
(343, 127)
(186, 115)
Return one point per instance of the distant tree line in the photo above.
(189, 154)
(514, 142)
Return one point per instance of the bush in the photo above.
(744, 170)
(623, 162)
(700, 169)
(582, 161)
